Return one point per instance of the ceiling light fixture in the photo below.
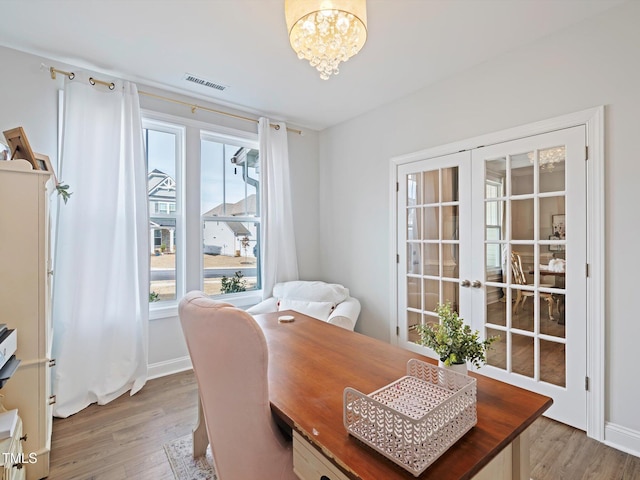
(326, 32)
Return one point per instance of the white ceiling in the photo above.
(244, 44)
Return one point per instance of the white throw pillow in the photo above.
(319, 310)
(313, 291)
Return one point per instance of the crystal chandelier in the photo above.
(326, 32)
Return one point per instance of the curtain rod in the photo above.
(193, 106)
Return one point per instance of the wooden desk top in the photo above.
(310, 364)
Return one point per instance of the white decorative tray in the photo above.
(415, 419)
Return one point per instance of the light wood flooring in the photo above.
(124, 440)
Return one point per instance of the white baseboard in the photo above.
(168, 367)
(622, 438)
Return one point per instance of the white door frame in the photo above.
(593, 119)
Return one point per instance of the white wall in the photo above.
(593, 63)
(29, 98)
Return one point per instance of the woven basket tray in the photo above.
(415, 419)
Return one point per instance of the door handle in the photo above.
(465, 283)
(476, 284)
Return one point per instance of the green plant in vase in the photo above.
(453, 341)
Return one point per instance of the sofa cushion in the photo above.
(315, 291)
(319, 310)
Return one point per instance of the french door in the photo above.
(500, 232)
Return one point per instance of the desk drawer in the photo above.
(310, 464)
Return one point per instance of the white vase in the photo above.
(456, 367)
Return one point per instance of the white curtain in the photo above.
(101, 278)
(280, 263)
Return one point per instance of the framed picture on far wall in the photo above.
(559, 232)
(558, 228)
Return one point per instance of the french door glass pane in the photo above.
(552, 369)
(432, 223)
(431, 294)
(413, 293)
(413, 319)
(431, 264)
(497, 354)
(552, 169)
(522, 174)
(414, 224)
(451, 293)
(450, 227)
(496, 306)
(496, 171)
(431, 187)
(522, 218)
(414, 258)
(552, 218)
(493, 265)
(449, 184)
(522, 356)
(414, 189)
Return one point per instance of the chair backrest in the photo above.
(230, 359)
(516, 269)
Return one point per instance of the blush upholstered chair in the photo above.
(230, 359)
(329, 302)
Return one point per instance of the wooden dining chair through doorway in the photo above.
(519, 278)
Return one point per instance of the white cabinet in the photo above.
(25, 302)
(12, 458)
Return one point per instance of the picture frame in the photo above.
(559, 232)
(19, 146)
(5, 152)
(44, 165)
(558, 227)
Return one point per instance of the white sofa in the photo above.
(325, 301)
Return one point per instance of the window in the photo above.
(163, 155)
(494, 214)
(230, 209)
(221, 173)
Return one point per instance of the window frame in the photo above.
(189, 259)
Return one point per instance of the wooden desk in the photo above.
(310, 364)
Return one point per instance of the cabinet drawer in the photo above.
(310, 464)
(13, 447)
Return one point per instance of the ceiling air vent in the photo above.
(205, 83)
